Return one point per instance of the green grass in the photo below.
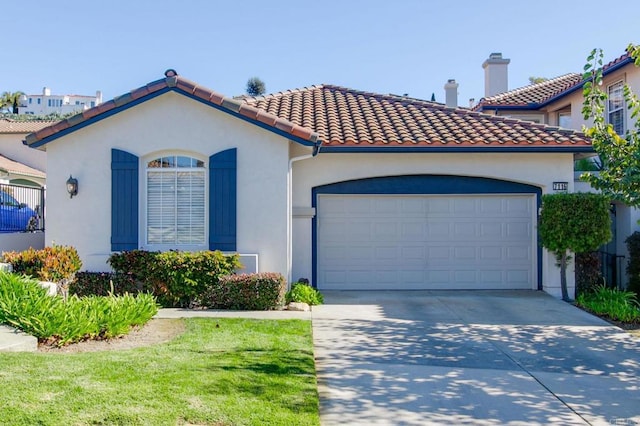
(244, 372)
(615, 304)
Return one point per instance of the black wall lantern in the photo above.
(72, 186)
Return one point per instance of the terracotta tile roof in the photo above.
(534, 93)
(174, 82)
(345, 117)
(12, 126)
(14, 167)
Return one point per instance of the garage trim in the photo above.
(425, 185)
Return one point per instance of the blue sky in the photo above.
(401, 46)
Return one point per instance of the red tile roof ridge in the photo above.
(173, 81)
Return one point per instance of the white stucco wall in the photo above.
(535, 169)
(169, 123)
(11, 146)
(20, 241)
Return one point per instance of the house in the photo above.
(33, 163)
(558, 102)
(22, 179)
(46, 103)
(353, 190)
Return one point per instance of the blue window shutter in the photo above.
(222, 200)
(124, 201)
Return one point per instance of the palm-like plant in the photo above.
(11, 100)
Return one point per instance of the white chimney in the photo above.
(98, 97)
(46, 91)
(496, 79)
(451, 93)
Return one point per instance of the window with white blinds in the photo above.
(175, 201)
(615, 106)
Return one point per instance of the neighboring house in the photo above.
(46, 103)
(352, 190)
(558, 102)
(13, 172)
(27, 166)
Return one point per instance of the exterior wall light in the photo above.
(72, 186)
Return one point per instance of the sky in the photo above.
(385, 46)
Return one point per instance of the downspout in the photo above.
(316, 151)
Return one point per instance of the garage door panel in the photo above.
(425, 242)
(464, 205)
(518, 207)
(518, 230)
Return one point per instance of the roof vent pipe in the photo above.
(451, 93)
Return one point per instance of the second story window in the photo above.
(564, 119)
(615, 107)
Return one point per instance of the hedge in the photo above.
(104, 284)
(176, 278)
(263, 291)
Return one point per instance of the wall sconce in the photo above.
(72, 186)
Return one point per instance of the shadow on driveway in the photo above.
(485, 357)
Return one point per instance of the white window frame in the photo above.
(620, 108)
(143, 202)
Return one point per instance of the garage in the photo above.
(426, 241)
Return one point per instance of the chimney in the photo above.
(496, 79)
(451, 93)
(46, 91)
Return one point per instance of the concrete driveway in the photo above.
(482, 357)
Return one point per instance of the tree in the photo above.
(11, 100)
(255, 87)
(619, 177)
(577, 222)
(536, 80)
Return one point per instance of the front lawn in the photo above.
(219, 372)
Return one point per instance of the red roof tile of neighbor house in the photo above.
(8, 126)
(539, 93)
(346, 117)
(534, 93)
(14, 167)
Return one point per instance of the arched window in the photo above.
(175, 201)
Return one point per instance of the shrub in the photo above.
(588, 272)
(55, 264)
(176, 278)
(104, 284)
(25, 305)
(303, 292)
(617, 305)
(262, 291)
(633, 267)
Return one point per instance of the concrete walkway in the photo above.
(490, 358)
(12, 340)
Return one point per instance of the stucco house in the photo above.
(350, 189)
(558, 102)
